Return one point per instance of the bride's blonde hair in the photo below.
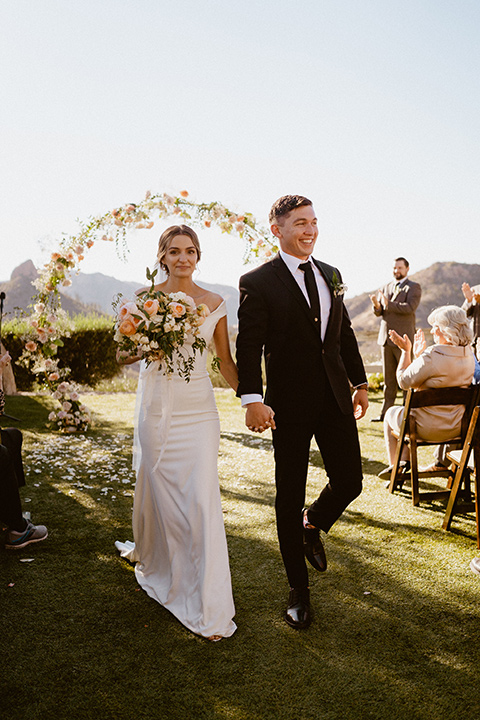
(167, 236)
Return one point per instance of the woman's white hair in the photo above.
(453, 323)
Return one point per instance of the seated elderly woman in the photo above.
(447, 363)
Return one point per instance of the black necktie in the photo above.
(312, 290)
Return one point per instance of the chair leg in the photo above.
(414, 469)
(394, 480)
(449, 512)
(477, 507)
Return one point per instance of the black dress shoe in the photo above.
(377, 419)
(313, 548)
(297, 614)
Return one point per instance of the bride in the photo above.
(180, 548)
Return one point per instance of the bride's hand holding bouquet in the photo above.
(155, 326)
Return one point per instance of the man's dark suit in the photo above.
(308, 388)
(399, 316)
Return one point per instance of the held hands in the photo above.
(259, 417)
(403, 343)
(419, 343)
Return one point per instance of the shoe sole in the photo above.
(24, 544)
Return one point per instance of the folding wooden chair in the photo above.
(408, 436)
(467, 464)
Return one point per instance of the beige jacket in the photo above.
(439, 366)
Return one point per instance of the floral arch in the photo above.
(48, 322)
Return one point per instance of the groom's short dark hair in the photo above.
(284, 205)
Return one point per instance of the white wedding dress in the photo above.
(180, 548)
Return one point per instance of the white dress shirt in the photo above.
(292, 264)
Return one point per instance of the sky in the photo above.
(368, 107)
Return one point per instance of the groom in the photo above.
(292, 311)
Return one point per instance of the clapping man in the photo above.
(395, 304)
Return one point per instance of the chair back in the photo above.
(446, 396)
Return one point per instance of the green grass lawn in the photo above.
(397, 620)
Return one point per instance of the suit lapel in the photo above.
(294, 288)
(327, 274)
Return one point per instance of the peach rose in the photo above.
(176, 309)
(89, 243)
(203, 310)
(207, 223)
(151, 306)
(54, 376)
(130, 208)
(149, 225)
(31, 346)
(127, 309)
(127, 327)
(184, 193)
(115, 212)
(49, 287)
(79, 249)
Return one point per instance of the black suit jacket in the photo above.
(275, 318)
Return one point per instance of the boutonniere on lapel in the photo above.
(338, 287)
(398, 290)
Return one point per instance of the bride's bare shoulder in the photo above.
(213, 300)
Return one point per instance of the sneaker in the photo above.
(475, 565)
(31, 534)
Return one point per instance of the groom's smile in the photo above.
(297, 232)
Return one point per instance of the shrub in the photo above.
(89, 350)
(375, 382)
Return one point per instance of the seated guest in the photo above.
(441, 462)
(21, 532)
(447, 363)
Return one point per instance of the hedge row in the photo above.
(88, 352)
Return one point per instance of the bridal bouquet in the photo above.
(155, 325)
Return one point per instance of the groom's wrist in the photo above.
(250, 398)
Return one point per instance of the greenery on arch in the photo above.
(49, 323)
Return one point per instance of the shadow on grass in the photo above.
(95, 643)
(31, 412)
(87, 642)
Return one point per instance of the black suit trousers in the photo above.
(11, 478)
(337, 438)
